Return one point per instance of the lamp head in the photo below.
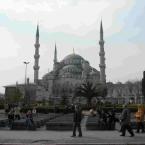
(26, 62)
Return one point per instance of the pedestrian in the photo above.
(11, 117)
(111, 120)
(139, 115)
(104, 114)
(77, 117)
(29, 120)
(125, 121)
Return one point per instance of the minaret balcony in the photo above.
(101, 42)
(36, 67)
(37, 45)
(102, 65)
(101, 53)
(36, 56)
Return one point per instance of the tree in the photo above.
(16, 96)
(88, 91)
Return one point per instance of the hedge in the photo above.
(47, 110)
(62, 109)
(1, 106)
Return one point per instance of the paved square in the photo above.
(54, 137)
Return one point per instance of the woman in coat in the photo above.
(139, 115)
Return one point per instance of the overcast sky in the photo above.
(72, 24)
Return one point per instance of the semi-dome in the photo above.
(72, 59)
(71, 69)
(94, 72)
(47, 76)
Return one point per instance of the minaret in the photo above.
(36, 57)
(102, 57)
(55, 58)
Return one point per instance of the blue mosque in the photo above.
(68, 73)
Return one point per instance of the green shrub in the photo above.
(46, 109)
(25, 109)
(1, 106)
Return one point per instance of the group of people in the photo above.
(15, 114)
(109, 117)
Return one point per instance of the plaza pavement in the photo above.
(43, 136)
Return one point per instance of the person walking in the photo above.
(77, 117)
(139, 115)
(111, 121)
(125, 122)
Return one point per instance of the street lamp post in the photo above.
(25, 97)
(26, 63)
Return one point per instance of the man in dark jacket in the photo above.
(77, 117)
(125, 122)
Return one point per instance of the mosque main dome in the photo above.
(73, 65)
(72, 59)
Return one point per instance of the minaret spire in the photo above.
(102, 56)
(55, 54)
(73, 51)
(36, 57)
(37, 31)
(101, 31)
(55, 59)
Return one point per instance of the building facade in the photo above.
(129, 92)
